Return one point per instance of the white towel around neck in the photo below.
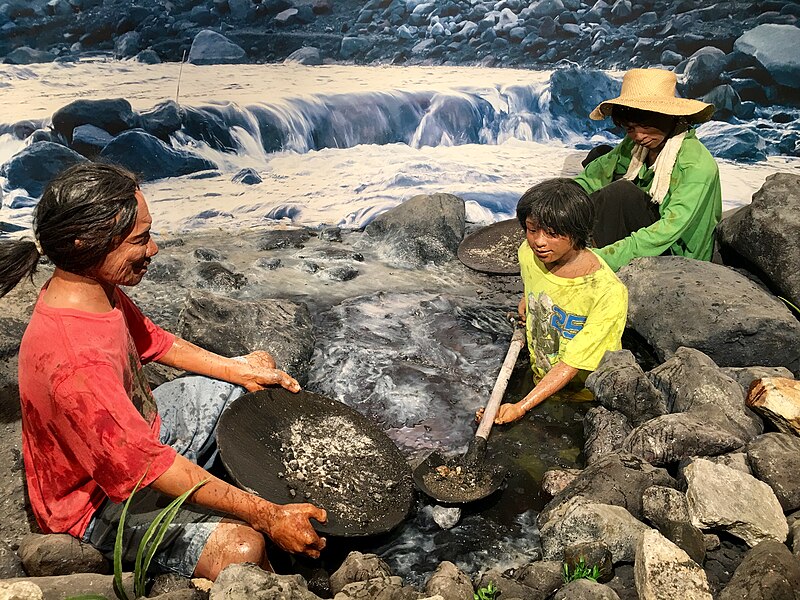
(662, 167)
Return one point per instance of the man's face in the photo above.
(127, 263)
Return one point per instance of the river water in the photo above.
(355, 142)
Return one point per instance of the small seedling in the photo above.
(486, 593)
(797, 310)
(581, 571)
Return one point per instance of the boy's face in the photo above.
(548, 246)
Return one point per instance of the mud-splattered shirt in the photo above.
(574, 320)
(90, 427)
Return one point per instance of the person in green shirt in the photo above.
(658, 191)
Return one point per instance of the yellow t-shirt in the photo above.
(571, 320)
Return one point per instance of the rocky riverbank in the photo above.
(686, 491)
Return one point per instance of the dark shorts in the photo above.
(190, 408)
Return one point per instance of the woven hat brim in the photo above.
(695, 110)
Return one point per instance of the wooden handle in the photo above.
(490, 412)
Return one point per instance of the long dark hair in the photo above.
(85, 212)
(561, 206)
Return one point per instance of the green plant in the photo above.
(485, 593)
(797, 310)
(148, 546)
(581, 571)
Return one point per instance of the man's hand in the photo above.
(258, 371)
(289, 527)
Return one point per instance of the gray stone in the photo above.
(765, 233)
(671, 438)
(723, 498)
(590, 555)
(661, 504)
(236, 327)
(687, 537)
(305, 56)
(742, 143)
(507, 587)
(390, 588)
(691, 381)
(359, 567)
(59, 554)
(775, 460)
(287, 17)
(726, 101)
(111, 115)
(449, 582)
(734, 321)
(774, 47)
(35, 165)
(162, 120)
(542, 577)
(240, 9)
(28, 56)
(63, 586)
(89, 140)
(734, 460)
(547, 8)
(426, 228)
(248, 176)
(250, 581)
(353, 45)
(702, 71)
(212, 48)
(578, 521)
(619, 384)
(768, 572)
(665, 572)
(446, 517)
(605, 432)
(618, 479)
(584, 589)
(128, 44)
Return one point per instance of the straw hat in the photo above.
(654, 90)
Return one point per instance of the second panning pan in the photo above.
(493, 249)
(304, 447)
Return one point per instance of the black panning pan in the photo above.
(493, 249)
(469, 478)
(304, 447)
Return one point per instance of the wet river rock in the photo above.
(732, 320)
(237, 327)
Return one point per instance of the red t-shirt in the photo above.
(90, 426)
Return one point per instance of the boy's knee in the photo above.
(231, 543)
(245, 545)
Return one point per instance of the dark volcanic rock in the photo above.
(37, 164)
(702, 71)
(775, 48)
(620, 384)
(236, 327)
(765, 233)
(162, 120)
(423, 229)
(734, 142)
(618, 479)
(89, 140)
(775, 460)
(28, 56)
(605, 432)
(731, 319)
(215, 276)
(247, 176)
(288, 238)
(305, 56)
(151, 158)
(10, 564)
(745, 376)
(113, 116)
(691, 381)
(575, 92)
(768, 572)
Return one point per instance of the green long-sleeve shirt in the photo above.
(689, 213)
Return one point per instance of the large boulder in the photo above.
(619, 384)
(775, 48)
(111, 115)
(164, 119)
(766, 233)
(734, 142)
(665, 572)
(359, 567)
(575, 92)
(33, 167)
(28, 56)
(702, 71)
(236, 327)
(426, 228)
(59, 554)
(249, 581)
(449, 582)
(733, 321)
(775, 460)
(212, 48)
(617, 479)
(768, 572)
(690, 381)
(604, 431)
(151, 158)
(723, 498)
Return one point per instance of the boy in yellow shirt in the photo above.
(574, 305)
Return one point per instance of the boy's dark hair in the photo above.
(560, 206)
(94, 203)
(622, 115)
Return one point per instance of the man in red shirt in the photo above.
(91, 426)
